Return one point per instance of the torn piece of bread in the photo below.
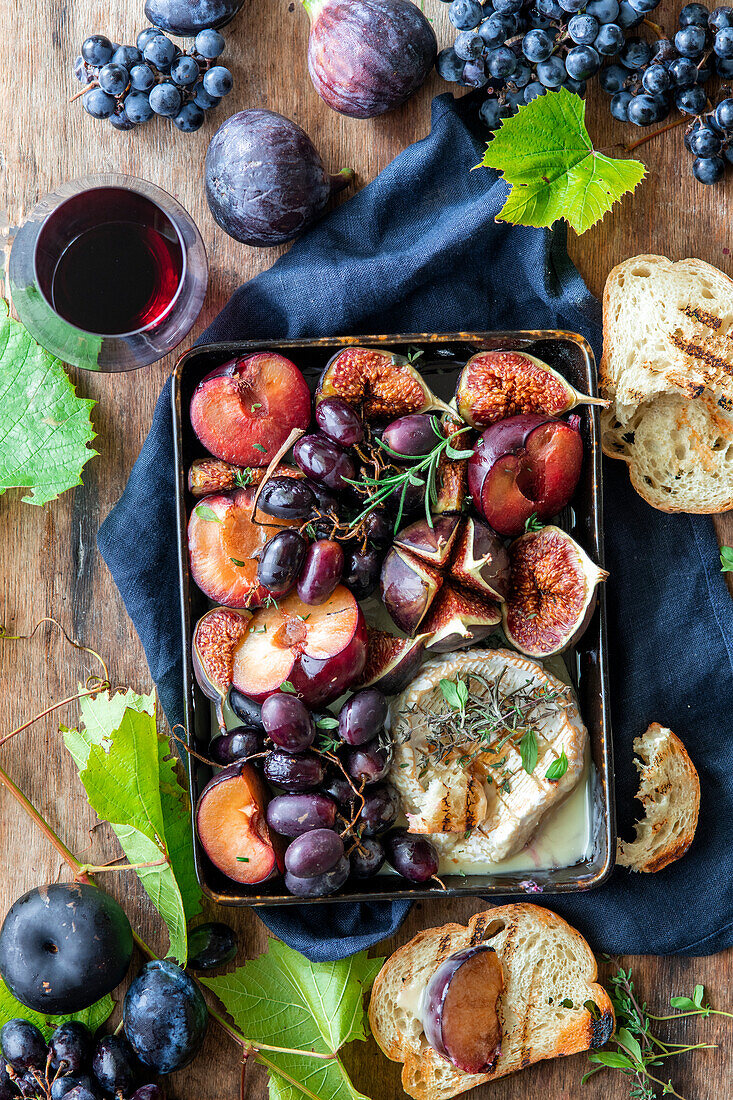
(667, 328)
(667, 370)
(546, 965)
(670, 794)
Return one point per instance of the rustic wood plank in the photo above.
(50, 565)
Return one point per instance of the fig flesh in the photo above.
(525, 465)
(265, 181)
(480, 560)
(457, 619)
(495, 385)
(213, 475)
(381, 385)
(391, 662)
(552, 592)
(232, 827)
(366, 57)
(215, 638)
(432, 544)
(460, 1010)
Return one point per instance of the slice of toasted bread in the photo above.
(670, 794)
(547, 966)
(679, 452)
(667, 329)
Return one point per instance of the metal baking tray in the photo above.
(441, 362)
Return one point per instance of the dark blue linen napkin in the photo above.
(416, 250)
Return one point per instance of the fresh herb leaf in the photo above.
(726, 559)
(243, 477)
(93, 1017)
(545, 153)
(566, 1003)
(452, 452)
(237, 562)
(557, 768)
(287, 687)
(283, 999)
(204, 512)
(45, 429)
(413, 354)
(611, 1058)
(257, 405)
(326, 723)
(455, 693)
(260, 447)
(128, 772)
(529, 751)
(533, 523)
(242, 859)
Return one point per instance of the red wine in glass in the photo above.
(111, 276)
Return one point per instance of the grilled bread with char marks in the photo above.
(546, 964)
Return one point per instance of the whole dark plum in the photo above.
(165, 1016)
(188, 17)
(366, 57)
(63, 947)
(265, 181)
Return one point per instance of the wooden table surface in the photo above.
(48, 557)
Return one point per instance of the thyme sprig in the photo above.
(638, 1050)
(484, 723)
(393, 479)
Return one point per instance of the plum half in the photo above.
(232, 826)
(524, 465)
(243, 411)
(460, 1009)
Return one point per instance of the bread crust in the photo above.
(536, 1025)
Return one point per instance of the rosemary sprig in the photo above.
(423, 472)
(638, 1050)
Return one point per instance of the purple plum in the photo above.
(188, 17)
(460, 1009)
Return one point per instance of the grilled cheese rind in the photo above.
(489, 796)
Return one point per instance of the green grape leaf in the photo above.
(45, 429)
(129, 775)
(283, 999)
(546, 154)
(93, 1017)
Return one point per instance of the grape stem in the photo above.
(102, 685)
(655, 27)
(293, 438)
(629, 148)
(87, 88)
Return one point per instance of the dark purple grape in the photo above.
(8, 1090)
(281, 559)
(366, 858)
(319, 886)
(148, 1092)
(70, 1047)
(29, 1084)
(325, 500)
(23, 1046)
(377, 528)
(362, 571)
(211, 946)
(339, 422)
(62, 1086)
(337, 786)
(411, 436)
(313, 853)
(413, 857)
(321, 572)
(287, 498)
(411, 497)
(246, 710)
(368, 764)
(237, 744)
(288, 722)
(381, 809)
(322, 460)
(114, 1065)
(294, 773)
(362, 718)
(295, 814)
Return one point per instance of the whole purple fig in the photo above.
(366, 57)
(265, 182)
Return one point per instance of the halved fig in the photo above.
(380, 384)
(408, 586)
(524, 465)
(223, 544)
(552, 592)
(480, 560)
(432, 544)
(216, 636)
(212, 475)
(460, 1009)
(319, 650)
(232, 826)
(457, 619)
(495, 385)
(391, 662)
(452, 476)
(244, 410)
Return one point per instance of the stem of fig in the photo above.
(342, 179)
(313, 7)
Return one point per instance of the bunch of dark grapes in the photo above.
(520, 49)
(130, 84)
(710, 141)
(73, 1066)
